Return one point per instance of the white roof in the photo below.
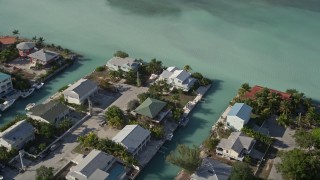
(80, 88)
(118, 61)
(90, 164)
(25, 45)
(131, 136)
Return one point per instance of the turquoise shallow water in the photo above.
(275, 43)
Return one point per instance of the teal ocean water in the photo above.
(274, 43)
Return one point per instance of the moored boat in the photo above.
(30, 106)
(27, 93)
(38, 85)
(7, 104)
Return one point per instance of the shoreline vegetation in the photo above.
(291, 110)
(22, 75)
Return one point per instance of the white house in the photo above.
(125, 64)
(16, 136)
(5, 84)
(238, 116)
(80, 91)
(236, 146)
(133, 137)
(52, 112)
(177, 78)
(97, 165)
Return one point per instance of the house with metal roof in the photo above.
(177, 78)
(236, 146)
(238, 116)
(80, 91)
(125, 64)
(211, 169)
(97, 165)
(25, 48)
(52, 112)
(16, 136)
(5, 84)
(133, 137)
(43, 57)
(153, 109)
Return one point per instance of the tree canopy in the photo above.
(44, 173)
(154, 66)
(298, 164)
(241, 171)
(121, 54)
(185, 157)
(115, 117)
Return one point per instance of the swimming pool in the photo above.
(115, 171)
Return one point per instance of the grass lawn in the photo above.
(183, 100)
(81, 150)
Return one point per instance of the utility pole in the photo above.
(90, 106)
(21, 153)
(138, 79)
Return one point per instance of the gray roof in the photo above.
(43, 55)
(17, 132)
(80, 88)
(93, 165)
(237, 141)
(212, 170)
(131, 136)
(240, 110)
(118, 61)
(4, 76)
(25, 45)
(49, 111)
(166, 74)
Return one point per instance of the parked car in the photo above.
(44, 154)
(55, 146)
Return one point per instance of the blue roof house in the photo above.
(238, 116)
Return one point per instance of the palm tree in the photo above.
(40, 41)
(154, 66)
(175, 99)
(187, 68)
(283, 120)
(285, 107)
(219, 126)
(15, 32)
(34, 38)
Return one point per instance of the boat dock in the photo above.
(222, 118)
(191, 104)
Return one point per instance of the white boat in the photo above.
(38, 85)
(27, 93)
(30, 106)
(170, 136)
(7, 104)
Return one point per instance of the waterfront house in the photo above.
(16, 136)
(211, 169)
(236, 146)
(97, 165)
(52, 112)
(177, 78)
(25, 48)
(80, 91)
(125, 64)
(43, 57)
(7, 41)
(256, 89)
(153, 109)
(5, 84)
(133, 137)
(238, 116)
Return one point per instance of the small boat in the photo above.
(38, 85)
(27, 93)
(7, 104)
(170, 136)
(30, 106)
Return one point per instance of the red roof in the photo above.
(256, 89)
(8, 40)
